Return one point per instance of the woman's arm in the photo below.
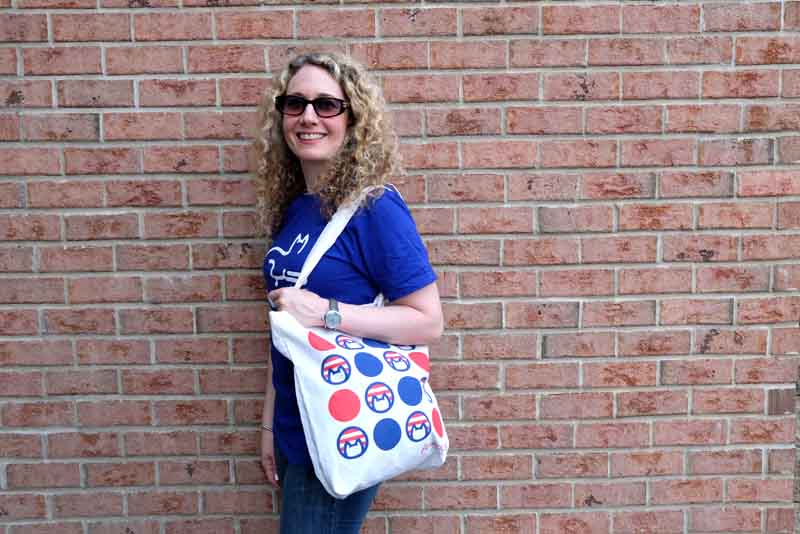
(415, 319)
(267, 444)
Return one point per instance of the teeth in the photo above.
(310, 136)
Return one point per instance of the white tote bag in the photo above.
(367, 409)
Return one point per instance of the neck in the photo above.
(312, 171)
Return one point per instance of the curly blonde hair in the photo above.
(368, 155)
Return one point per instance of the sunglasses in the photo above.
(324, 106)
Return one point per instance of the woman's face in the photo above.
(314, 140)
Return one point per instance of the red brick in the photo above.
(762, 431)
(628, 313)
(186, 224)
(646, 463)
(172, 26)
(336, 23)
(226, 58)
(281, 55)
(736, 152)
(576, 405)
(644, 403)
(760, 490)
(586, 344)
(19, 322)
(121, 474)
(581, 86)
(754, 17)
(772, 117)
(685, 311)
(82, 445)
(580, 19)
(473, 376)
(588, 522)
(478, 524)
(162, 320)
(698, 248)
(499, 154)
(141, 126)
(786, 341)
(242, 91)
(661, 280)
(415, 21)
(143, 193)
(770, 51)
(189, 159)
(728, 401)
(697, 371)
(25, 93)
(242, 318)
(578, 153)
(144, 60)
(494, 283)
(177, 93)
(475, 121)
(23, 28)
(542, 376)
(733, 519)
(545, 251)
(38, 353)
(479, 315)
(500, 20)
(740, 84)
(195, 412)
(8, 62)
(109, 413)
(95, 93)
(495, 220)
(703, 118)
(741, 341)
(619, 374)
(200, 526)
(235, 255)
(235, 159)
(491, 346)
(618, 249)
(465, 187)
(789, 149)
(75, 258)
(654, 84)
(727, 462)
(194, 472)
(239, 224)
(616, 494)
(116, 527)
(162, 502)
(28, 161)
(52, 475)
(101, 160)
(88, 505)
(654, 343)
(620, 119)
(505, 467)
(244, 25)
(780, 520)
(542, 187)
(499, 407)
(656, 152)
(167, 382)
(686, 491)
(692, 184)
(63, 60)
(606, 435)
(152, 257)
(705, 49)
(541, 315)
(238, 501)
(727, 279)
(82, 382)
(535, 436)
(625, 51)
(501, 87)
(791, 83)
(232, 381)
(594, 218)
(546, 52)
(765, 371)
(544, 120)
(162, 443)
(769, 310)
(652, 19)
(764, 247)
(535, 496)
(221, 192)
(21, 384)
(466, 55)
(9, 131)
(16, 259)
(37, 414)
(781, 461)
(217, 125)
(663, 522)
(61, 127)
(200, 350)
(689, 432)
(576, 282)
(571, 465)
(429, 156)
(91, 27)
(32, 290)
(93, 227)
(183, 289)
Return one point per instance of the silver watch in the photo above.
(332, 317)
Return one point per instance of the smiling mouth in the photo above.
(310, 136)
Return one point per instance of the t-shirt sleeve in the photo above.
(395, 258)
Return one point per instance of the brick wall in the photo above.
(610, 193)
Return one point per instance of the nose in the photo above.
(309, 113)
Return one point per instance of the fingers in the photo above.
(271, 472)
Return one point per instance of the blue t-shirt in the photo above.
(379, 251)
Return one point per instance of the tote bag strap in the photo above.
(330, 234)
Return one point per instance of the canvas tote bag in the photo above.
(367, 409)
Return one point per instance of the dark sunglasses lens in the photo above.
(327, 107)
(292, 105)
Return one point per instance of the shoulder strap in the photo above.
(330, 234)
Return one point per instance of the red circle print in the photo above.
(344, 405)
(421, 359)
(437, 423)
(318, 343)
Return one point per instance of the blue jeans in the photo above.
(306, 508)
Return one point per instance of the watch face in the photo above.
(332, 319)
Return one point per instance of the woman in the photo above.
(324, 136)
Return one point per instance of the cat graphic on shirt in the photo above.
(287, 275)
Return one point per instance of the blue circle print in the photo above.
(410, 390)
(375, 343)
(387, 434)
(368, 365)
(352, 442)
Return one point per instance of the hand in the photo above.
(307, 307)
(268, 459)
